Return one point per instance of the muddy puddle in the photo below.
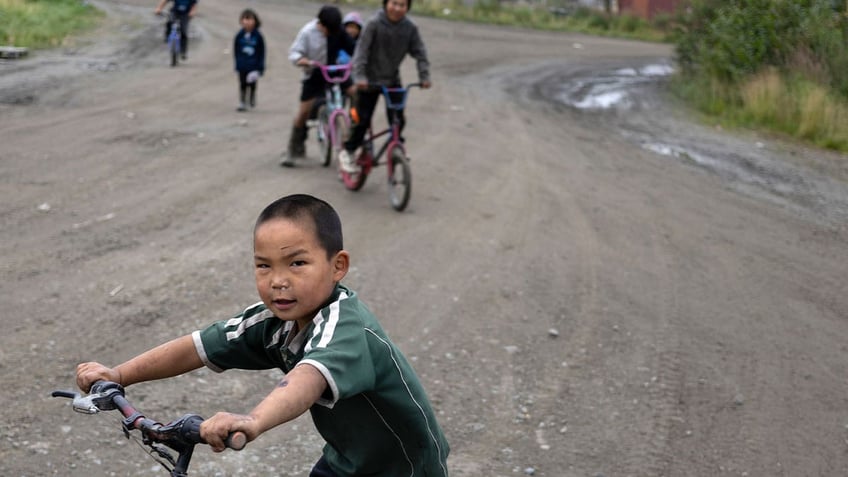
(633, 101)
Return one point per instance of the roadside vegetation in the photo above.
(562, 15)
(778, 65)
(44, 23)
(773, 65)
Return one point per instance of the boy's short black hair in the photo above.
(249, 13)
(328, 226)
(408, 4)
(331, 18)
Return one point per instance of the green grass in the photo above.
(770, 101)
(44, 23)
(581, 20)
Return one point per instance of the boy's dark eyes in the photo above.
(298, 263)
(261, 265)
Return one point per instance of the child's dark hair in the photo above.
(249, 13)
(328, 226)
(408, 4)
(331, 18)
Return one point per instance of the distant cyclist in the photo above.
(386, 39)
(183, 10)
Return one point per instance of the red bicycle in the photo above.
(397, 162)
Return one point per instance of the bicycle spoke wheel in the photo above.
(174, 45)
(341, 130)
(355, 181)
(324, 140)
(400, 179)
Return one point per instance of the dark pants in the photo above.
(183, 18)
(366, 102)
(321, 469)
(245, 87)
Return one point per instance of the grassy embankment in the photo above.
(44, 23)
(773, 65)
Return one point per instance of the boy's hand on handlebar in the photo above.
(215, 430)
(91, 372)
(426, 85)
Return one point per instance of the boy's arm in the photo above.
(418, 51)
(235, 50)
(261, 46)
(361, 53)
(164, 361)
(160, 6)
(295, 394)
(297, 50)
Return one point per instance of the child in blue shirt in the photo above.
(249, 55)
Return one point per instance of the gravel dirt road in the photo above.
(576, 303)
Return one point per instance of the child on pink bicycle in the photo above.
(319, 41)
(386, 39)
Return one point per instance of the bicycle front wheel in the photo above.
(400, 179)
(324, 139)
(174, 44)
(341, 133)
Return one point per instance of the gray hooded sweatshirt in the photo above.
(381, 48)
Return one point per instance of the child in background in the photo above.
(319, 41)
(365, 398)
(249, 55)
(183, 10)
(386, 39)
(352, 23)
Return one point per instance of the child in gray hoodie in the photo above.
(386, 39)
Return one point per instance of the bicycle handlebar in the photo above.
(401, 91)
(180, 435)
(327, 70)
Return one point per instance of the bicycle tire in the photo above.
(323, 136)
(174, 47)
(400, 179)
(355, 181)
(341, 128)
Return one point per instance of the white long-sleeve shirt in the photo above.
(309, 43)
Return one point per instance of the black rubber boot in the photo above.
(296, 148)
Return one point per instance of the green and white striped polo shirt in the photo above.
(375, 415)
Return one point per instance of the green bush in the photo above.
(730, 40)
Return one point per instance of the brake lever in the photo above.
(100, 400)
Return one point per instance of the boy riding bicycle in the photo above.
(320, 41)
(182, 10)
(365, 399)
(386, 39)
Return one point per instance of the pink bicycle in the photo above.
(333, 118)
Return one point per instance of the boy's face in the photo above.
(396, 10)
(294, 277)
(352, 30)
(248, 23)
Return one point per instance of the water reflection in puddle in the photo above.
(611, 90)
(640, 115)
